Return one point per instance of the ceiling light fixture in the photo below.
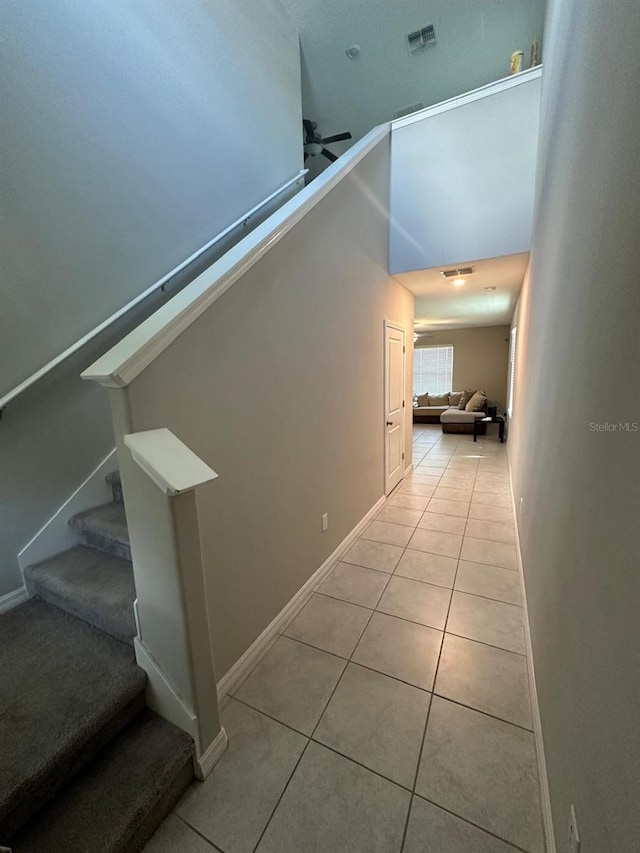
(353, 52)
(489, 289)
(458, 282)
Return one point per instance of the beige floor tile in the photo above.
(429, 470)
(488, 581)
(459, 508)
(488, 679)
(445, 494)
(400, 649)
(378, 721)
(400, 498)
(495, 531)
(491, 498)
(444, 523)
(436, 542)
(355, 584)
(292, 683)
(409, 488)
(399, 515)
(329, 624)
(428, 568)
(485, 620)
(233, 805)
(487, 512)
(173, 835)
(332, 804)
(415, 601)
(373, 555)
(491, 553)
(421, 479)
(390, 534)
(446, 833)
(484, 770)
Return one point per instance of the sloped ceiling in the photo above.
(475, 39)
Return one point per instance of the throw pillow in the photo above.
(466, 396)
(477, 402)
(455, 397)
(439, 400)
(423, 399)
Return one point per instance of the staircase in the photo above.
(85, 767)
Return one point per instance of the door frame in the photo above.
(389, 324)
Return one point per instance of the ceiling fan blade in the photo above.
(329, 155)
(337, 138)
(308, 128)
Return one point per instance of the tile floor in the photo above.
(392, 714)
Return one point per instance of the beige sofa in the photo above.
(445, 409)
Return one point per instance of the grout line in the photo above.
(314, 729)
(471, 823)
(426, 724)
(197, 832)
(484, 713)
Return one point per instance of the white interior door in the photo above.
(394, 408)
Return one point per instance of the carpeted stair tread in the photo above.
(66, 689)
(113, 479)
(91, 585)
(104, 528)
(119, 800)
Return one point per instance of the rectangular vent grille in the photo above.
(457, 272)
(406, 111)
(419, 39)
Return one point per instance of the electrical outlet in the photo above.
(325, 522)
(574, 836)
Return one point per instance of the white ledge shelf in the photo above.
(171, 465)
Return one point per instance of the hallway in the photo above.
(393, 712)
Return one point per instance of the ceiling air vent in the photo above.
(457, 272)
(406, 111)
(419, 39)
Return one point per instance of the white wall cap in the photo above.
(168, 461)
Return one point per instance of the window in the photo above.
(512, 369)
(432, 370)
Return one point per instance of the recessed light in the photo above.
(459, 281)
(489, 288)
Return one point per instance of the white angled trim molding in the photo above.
(128, 358)
(172, 466)
(208, 760)
(257, 650)
(545, 797)
(13, 599)
(469, 97)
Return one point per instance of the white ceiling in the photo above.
(475, 39)
(439, 304)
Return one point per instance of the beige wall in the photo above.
(576, 486)
(129, 140)
(279, 387)
(480, 359)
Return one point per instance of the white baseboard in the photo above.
(13, 599)
(205, 764)
(56, 535)
(407, 470)
(239, 671)
(545, 798)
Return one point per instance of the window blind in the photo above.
(432, 370)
